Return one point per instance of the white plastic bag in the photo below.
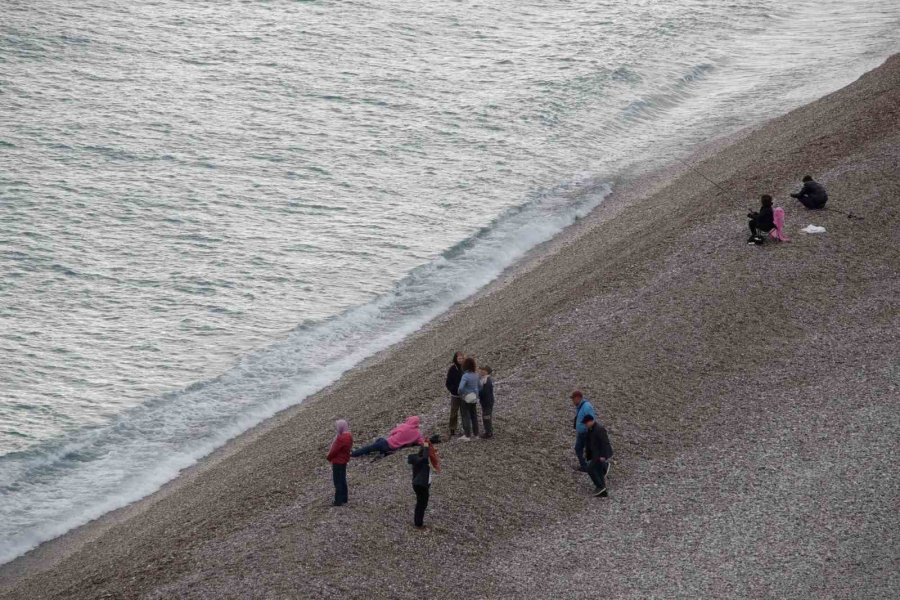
(813, 229)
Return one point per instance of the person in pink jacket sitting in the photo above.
(404, 434)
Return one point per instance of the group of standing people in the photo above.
(470, 386)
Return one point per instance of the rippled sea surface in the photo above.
(209, 210)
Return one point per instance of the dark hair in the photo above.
(486, 369)
(807, 178)
(456, 356)
(469, 364)
(766, 200)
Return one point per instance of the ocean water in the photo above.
(210, 210)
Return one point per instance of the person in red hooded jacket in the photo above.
(339, 456)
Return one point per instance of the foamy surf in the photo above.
(306, 144)
(59, 485)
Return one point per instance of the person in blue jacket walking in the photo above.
(583, 408)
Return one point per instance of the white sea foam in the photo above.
(308, 181)
(57, 486)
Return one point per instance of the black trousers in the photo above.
(755, 229)
(811, 204)
(597, 470)
(422, 493)
(339, 475)
(487, 417)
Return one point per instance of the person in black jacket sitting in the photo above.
(598, 451)
(764, 220)
(813, 195)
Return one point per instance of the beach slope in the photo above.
(751, 394)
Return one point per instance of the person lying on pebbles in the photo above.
(404, 434)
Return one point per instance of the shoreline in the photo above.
(47, 553)
(534, 367)
(625, 191)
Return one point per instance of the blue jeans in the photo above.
(379, 445)
(580, 441)
(339, 475)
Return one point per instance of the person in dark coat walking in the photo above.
(454, 375)
(813, 195)
(422, 463)
(762, 221)
(598, 451)
(486, 398)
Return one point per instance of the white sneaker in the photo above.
(464, 438)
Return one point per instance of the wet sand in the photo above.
(752, 396)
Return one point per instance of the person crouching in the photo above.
(598, 451)
(812, 195)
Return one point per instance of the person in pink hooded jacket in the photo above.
(404, 434)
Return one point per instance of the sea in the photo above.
(211, 210)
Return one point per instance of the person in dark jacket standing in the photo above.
(339, 456)
(422, 462)
(764, 220)
(598, 451)
(486, 398)
(813, 195)
(454, 375)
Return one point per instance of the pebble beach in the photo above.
(751, 395)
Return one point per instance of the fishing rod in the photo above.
(849, 215)
(700, 173)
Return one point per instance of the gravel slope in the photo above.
(751, 395)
